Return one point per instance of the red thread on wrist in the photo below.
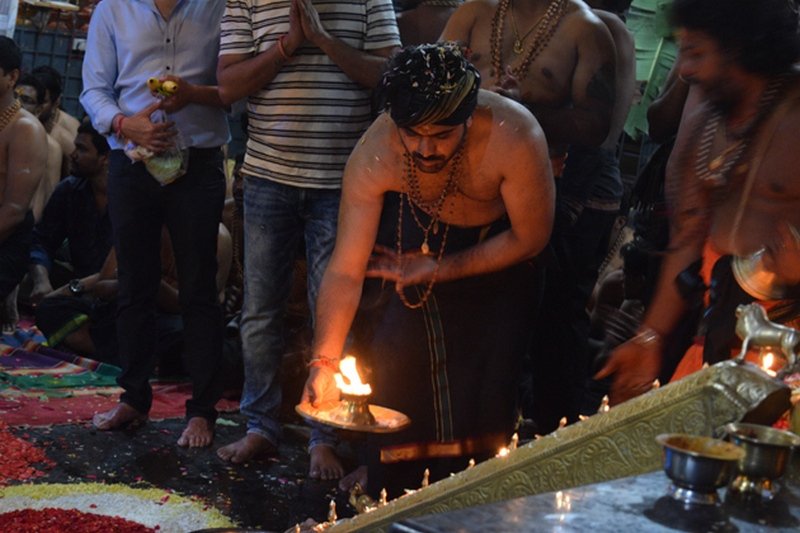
(118, 127)
(322, 361)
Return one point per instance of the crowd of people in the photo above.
(454, 201)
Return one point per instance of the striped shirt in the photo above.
(304, 124)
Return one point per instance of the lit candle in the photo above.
(767, 360)
(604, 407)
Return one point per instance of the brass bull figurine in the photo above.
(756, 330)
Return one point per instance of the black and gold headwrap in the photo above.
(430, 84)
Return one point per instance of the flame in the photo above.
(767, 360)
(348, 380)
(503, 452)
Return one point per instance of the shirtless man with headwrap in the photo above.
(445, 200)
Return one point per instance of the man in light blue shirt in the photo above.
(129, 42)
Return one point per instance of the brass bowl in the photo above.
(756, 280)
(767, 452)
(698, 466)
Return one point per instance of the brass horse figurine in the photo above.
(755, 329)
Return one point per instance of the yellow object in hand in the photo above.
(164, 88)
(168, 88)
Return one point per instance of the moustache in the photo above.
(428, 159)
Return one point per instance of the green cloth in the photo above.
(656, 51)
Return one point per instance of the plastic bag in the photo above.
(166, 166)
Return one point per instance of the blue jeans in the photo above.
(276, 217)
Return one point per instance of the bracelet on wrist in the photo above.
(647, 336)
(323, 361)
(117, 125)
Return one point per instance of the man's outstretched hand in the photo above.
(634, 367)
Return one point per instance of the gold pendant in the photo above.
(518, 49)
(425, 249)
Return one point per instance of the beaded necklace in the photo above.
(414, 200)
(714, 172)
(543, 30)
(9, 113)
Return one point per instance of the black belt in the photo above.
(204, 152)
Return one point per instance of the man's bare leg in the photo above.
(250, 446)
(199, 433)
(325, 464)
(359, 475)
(121, 416)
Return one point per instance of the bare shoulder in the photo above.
(466, 18)
(26, 130)
(510, 120)
(582, 21)
(619, 31)
(478, 7)
(374, 156)
(67, 122)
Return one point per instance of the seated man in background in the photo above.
(76, 213)
(31, 92)
(59, 124)
(81, 315)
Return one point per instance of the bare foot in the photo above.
(199, 433)
(120, 417)
(324, 463)
(359, 475)
(248, 447)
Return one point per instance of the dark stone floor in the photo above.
(271, 493)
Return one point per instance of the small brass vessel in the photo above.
(767, 452)
(354, 410)
(698, 466)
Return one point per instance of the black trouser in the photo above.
(191, 209)
(15, 255)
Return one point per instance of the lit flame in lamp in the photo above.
(347, 379)
(767, 360)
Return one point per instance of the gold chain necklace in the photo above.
(414, 200)
(433, 208)
(9, 113)
(543, 32)
(518, 41)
